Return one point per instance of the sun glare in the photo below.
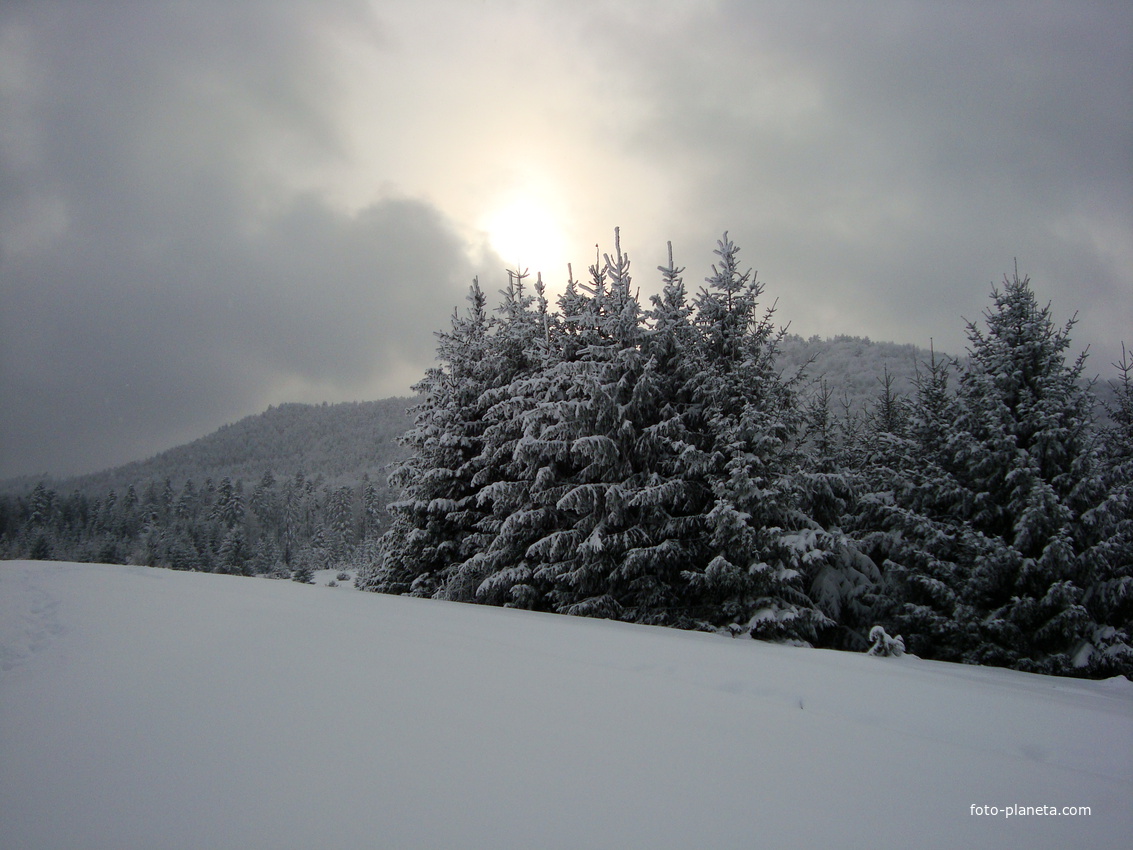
(526, 235)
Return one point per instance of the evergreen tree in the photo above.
(234, 555)
(752, 581)
(995, 550)
(1109, 599)
(890, 413)
(181, 552)
(126, 522)
(585, 457)
(435, 522)
(912, 521)
(493, 569)
(264, 505)
(371, 509)
(228, 509)
(340, 523)
(41, 507)
(291, 531)
(185, 508)
(825, 487)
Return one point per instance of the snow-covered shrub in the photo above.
(884, 645)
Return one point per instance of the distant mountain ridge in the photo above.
(854, 367)
(344, 442)
(340, 443)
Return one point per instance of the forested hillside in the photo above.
(296, 488)
(339, 443)
(853, 368)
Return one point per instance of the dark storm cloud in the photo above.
(157, 280)
(166, 343)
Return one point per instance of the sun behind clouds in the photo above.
(527, 235)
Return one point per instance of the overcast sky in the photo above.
(208, 207)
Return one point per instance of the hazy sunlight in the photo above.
(525, 233)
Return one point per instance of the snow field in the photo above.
(144, 708)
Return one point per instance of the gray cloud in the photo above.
(170, 343)
(158, 278)
(883, 163)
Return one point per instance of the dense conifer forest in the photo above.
(294, 489)
(683, 462)
(656, 463)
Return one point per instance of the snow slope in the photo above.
(142, 708)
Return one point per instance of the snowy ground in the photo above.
(142, 708)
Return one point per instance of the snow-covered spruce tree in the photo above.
(540, 449)
(1024, 435)
(518, 346)
(890, 413)
(293, 530)
(753, 577)
(234, 556)
(437, 511)
(841, 580)
(678, 440)
(371, 514)
(264, 510)
(995, 539)
(229, 506)
(1109, 599)
(911, 519)
(600, 528)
